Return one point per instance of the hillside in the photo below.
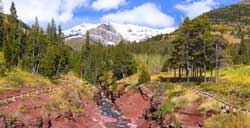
(5, 19)
(234, 15)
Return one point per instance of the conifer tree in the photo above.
(13, 11)
(35, 48)
(193, 48)
(49, 62)
(123, 62)
(11, 44)
(144, 76)
(85, 52)
(1, 25)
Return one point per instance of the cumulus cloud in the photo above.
(193, 8)
(147, 14)
(107, 4)
(61, 10)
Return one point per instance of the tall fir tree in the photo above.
(1, 25)
(13, 11)
(85, 52)
(124, 63)
(11, 46)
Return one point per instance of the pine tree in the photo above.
(35, 49)
(123, 62)
(1, 26)
(85, 52)
(50, 61)
(193, 48)
(11, 45)
(13, 11)
(144, 76)
(52, 32)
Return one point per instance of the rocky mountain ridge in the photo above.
(113, 33)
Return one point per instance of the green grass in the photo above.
(19, 79)
(238, 120)
(232, 79)
(233, 85)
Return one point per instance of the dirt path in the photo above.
(17, 96)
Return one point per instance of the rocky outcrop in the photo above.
(133, 106)
(105, 34)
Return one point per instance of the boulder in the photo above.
(156, 102)
(122, 89)
(146, 92)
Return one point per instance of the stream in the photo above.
(107, 110)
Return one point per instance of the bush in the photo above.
(16, 80)
(165, 108)
(144, 77)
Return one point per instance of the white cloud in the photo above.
(107, 4)
(60, 10)
(147, 14)
(193, 8)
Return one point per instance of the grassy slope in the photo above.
(21, 79)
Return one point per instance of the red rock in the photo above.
(133, 106)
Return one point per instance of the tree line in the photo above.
(196, 50)
(33, 49)
(43, 52)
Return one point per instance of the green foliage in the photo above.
(114, 86)
(152, 62)
(50, 61)
(240, 53)
(194, 48)
(159, 45)
(2, 66)
(165, 108)
(144, 76)
(12, 119)
(11, 43)
(124, 63)
(237, 13)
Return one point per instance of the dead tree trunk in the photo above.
(217, 64)
(205, 66)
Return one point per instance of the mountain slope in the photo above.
(234, 19)
(237, 15)
(113, 33)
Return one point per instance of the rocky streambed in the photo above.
(110, 110)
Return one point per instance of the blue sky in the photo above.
(151, 13)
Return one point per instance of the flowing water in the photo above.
(121, 121)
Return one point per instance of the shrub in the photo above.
(165, 108)
(144, 76)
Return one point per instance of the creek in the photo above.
(107, 110)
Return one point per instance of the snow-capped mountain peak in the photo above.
(113, 33)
